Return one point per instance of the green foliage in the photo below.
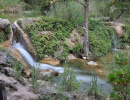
(120, 78)
(7, 3)
(93, 86)
(126, 38)
(2, 36)
(68, 80)
(66, 10)
(100, 38)
(65, 51)
(19, 23)
(35, 76)
(4, 33)
(37, 5)
(78, 49)
(17, 66)
(122, 7)
(47, 44)
(7, 29)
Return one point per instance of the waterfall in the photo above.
(114, 42)
(31, 61)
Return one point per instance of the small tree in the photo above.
(86, 39)
(122, 6)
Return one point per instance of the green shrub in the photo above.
(78, 49)
(17, 66)
(19, 23)
(100, 38)
(126, 38)
(48, 43)
(65, 52)
(120, 78)
(2, 36)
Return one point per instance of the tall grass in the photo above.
(6, 3)
(99, 8)
(66, 10)
(74, 10)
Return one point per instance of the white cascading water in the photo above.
(31, 61)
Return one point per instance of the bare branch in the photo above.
(81, 2)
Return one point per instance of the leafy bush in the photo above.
(68, 80)
(126, 38)
(78, 49)
(17, 66)
(2, 36)
(100, 38)
(48, 43)
(4, 33)
(120, 78)
(66, 10)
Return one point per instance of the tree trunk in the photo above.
(86, 39)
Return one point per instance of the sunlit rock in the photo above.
(92, 63)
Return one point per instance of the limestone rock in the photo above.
(4, 23)
(48, 73)
(9, 71)
(3, 92)
(15, 54)
(50, 61)
(119, 29)
(41, 33)
(71, 56)
(5, 59)
(92, 63)
(24, 40)
(25, 22)
(15, 90)
(127, 47)
(74, 38)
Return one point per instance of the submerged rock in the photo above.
(50, 61)
(92, 63)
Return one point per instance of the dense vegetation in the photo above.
(100, 37)
(120, 78)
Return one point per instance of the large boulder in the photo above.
(92, 63)
(15, 90)
(3, 92)
(5, 59)
(4, 23)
